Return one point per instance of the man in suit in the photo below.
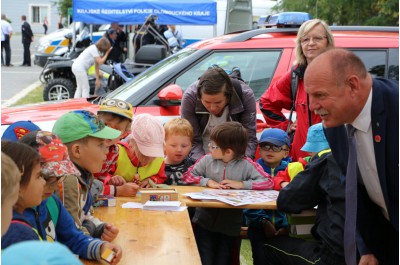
(27, 38)
(343, 93)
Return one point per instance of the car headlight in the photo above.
(43, 45)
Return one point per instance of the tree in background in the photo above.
(346, 12)
(63, 6)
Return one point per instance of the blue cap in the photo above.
(275, 136)
(316, 140)
(15, 131)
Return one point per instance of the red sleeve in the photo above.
(276, 98)
(282, 176)
(160, 177)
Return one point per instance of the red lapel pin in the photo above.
(378, 138)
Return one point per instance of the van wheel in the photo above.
(58, 89)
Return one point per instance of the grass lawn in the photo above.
(246, 257)
(35, 96)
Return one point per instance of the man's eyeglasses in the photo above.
(273, 147)
(316, 39)
(212, 147)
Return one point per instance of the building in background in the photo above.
(35, 12)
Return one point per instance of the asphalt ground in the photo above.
(17, 81)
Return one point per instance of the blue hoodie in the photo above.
(20, 230)
(64, 231)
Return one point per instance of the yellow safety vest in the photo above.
(127, 170)
(296, 167)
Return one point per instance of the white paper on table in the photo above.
(174, 206)
(133, 205)
(199, 196)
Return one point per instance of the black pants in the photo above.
(285, 250)
(5, 45)
(45, 29)
(215, 248)
(27, 53)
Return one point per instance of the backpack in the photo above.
(293, 92)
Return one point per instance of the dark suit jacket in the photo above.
(385, 130)
(27, 33)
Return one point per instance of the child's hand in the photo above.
(127, 190)
(114, 247)
(269, 229)
(284, 184)
(136, 179)
(145, 184)
(213, 184)
(110, 232)
(232, 184)
(282, 231)
(117, 181)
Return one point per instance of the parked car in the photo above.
(263, 56)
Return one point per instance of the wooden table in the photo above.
(160, 238)
(151, 237)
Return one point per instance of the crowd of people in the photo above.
(53, 178)
(6, 34)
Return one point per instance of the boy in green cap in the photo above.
(85, 136)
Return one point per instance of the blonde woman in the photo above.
(313, 38)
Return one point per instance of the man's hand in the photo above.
(114, 247)
(117, 180)
(232, 184)
(127, 190)
(110, 233)
(368, 259)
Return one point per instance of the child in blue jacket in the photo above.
(274, 150)
(51, 219)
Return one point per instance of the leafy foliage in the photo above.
(63, 6)
(347, 12)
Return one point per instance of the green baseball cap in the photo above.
(79, 124)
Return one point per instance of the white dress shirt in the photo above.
(366, 156)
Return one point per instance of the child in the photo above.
(52, 220)
(29, 194)
(217, 231)
(116, 114)
(85, 137)
(18, 253)
(145, 162)
(10, 178)
(274, 150)
(315, 144)
(178, 143)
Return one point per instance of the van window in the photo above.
(376, 62)
(257, 68)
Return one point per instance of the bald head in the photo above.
(339, 63)
(338, 85)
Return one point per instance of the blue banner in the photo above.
(175, 12)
